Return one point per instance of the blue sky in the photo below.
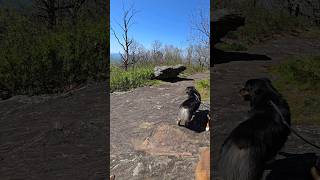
(165, 20)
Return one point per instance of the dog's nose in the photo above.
(241, 90)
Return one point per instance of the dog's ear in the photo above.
(266, 80)
(189, 88)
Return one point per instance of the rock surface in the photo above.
(145, 142)
(49, 137)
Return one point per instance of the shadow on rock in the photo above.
(292, 167)
(220, 57)
(199, 121)
(176, 79)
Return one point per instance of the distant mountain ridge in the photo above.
(115, 57)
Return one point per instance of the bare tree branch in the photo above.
(115, 35)
(200, 26)
(127, 18)
(49, 9)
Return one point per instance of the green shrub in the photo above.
(203, 86)
(302, 71)
(262, 24)
(141, 75)
(121, 80)
(36, 60)
(193, 68)
(299, 82)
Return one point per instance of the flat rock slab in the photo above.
(48, 137)
(145, 142)
(168, 140)
(168, 72)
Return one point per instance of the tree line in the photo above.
(160, 53)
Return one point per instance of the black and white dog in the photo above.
(189, 106)
(259, 138)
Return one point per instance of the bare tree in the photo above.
(134, 52)
(172, 53)
(126, 41)
(142, 54)
(190, 52)
(202, 55)
(47, 10)
(156, 46)
(50, 9)
(168, 52)
(200, 26)
(74, 9)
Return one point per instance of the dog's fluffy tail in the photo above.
(240, 164)
(184, 116)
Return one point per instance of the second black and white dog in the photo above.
(259, 138)
(189, 106)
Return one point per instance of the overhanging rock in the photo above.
(168, 72)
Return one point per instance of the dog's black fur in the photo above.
(259, 138)
(189, 106)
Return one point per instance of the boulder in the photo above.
(168, 72)
(224, 21)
